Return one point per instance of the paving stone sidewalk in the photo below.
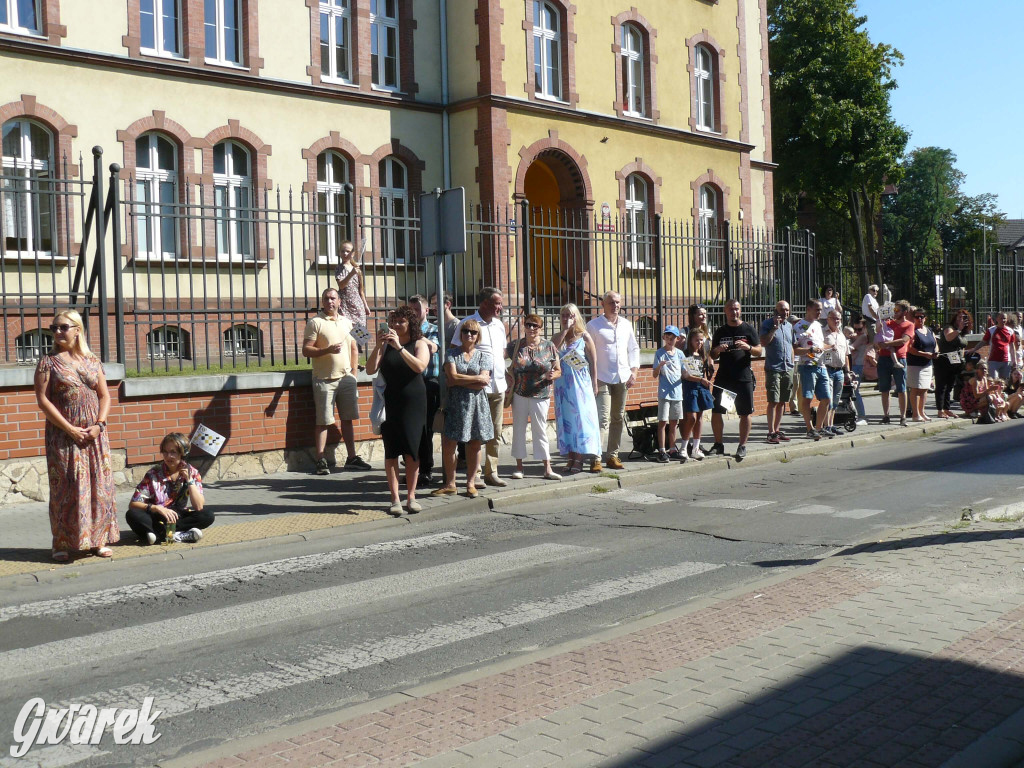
(904, 652)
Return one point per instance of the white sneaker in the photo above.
(862, 422)
(517, 475)
(190, 536)
(698, 454)
(150, 537)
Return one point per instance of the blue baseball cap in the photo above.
(673, 330)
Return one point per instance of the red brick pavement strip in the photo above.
(420, 728)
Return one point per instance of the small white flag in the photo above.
(361, 335)
(208, 441)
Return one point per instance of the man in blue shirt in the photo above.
(421, 305)
(777, 339)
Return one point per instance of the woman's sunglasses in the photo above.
(468, 332)
(533, 325)
(62, 327)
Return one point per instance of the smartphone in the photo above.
(383, 328)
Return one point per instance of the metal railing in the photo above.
(197, 277)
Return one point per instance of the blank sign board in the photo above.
(443, 221)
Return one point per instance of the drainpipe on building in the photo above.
(446, 161)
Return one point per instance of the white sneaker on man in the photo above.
(862, 422)
(191, 536)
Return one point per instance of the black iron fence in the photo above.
(182, 277)
(984, 282)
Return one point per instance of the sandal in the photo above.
(60, 557)
(103, 552)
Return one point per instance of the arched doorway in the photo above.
(559, 227)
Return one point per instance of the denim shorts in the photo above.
(814, 382)
(888, 376)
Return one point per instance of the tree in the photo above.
(835, 139)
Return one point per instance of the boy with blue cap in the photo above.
(668, 368)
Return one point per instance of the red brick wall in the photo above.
(253, 421)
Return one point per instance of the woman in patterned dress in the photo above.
(71, 391)
(579, 432)
(467, 418)
(350, 287)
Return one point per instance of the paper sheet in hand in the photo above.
(887, 312)
(208, 441)
(575, 360)
(361, 335)
(728, 398)
(694, 366)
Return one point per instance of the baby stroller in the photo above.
(846, 412)
(642, 425)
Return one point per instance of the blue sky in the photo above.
(961, 86)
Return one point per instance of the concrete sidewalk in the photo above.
(297, 504)
(907, 652)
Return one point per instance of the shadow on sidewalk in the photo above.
(298, 493)
(876, 706)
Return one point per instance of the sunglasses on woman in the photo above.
(534, 326)
(62, 327)
(468, 332)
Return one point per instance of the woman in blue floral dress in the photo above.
(579, 432)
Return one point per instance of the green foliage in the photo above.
(834, 136)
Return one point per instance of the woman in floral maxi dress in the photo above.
(71, 391)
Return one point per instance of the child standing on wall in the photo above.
(668, 367)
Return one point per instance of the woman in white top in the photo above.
(830, 302)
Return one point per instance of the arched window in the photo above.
(645, 331)
(20, 16)
(638, 229)
(704, 76)
(31, 345)
(168, 341)
(27, 191)
(547, 51)
(633, 56)
(156, 197)
(333, 223)
(160, 27)
(232, 200)
(709, 229)
(384, 43)
(394, 209)
(335, 40)
(240, 340)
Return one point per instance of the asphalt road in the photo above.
(239, 639)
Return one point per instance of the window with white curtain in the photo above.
(156, 197)
(31, 345)
(160, 27)
(232, 200)
(394, 210)
(168, 341)
(633, 71)
(709, 229)
(638, 230)
(547, 51)
(384, 43)
(27, 189)
(333, 223)
(335, 40)
(240, 340)
(704, 86)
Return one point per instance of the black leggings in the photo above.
(143, 522)
(946, 374)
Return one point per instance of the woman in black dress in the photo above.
(401, 356)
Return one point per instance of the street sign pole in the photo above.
(443, 230)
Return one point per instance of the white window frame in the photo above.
(334, 214)
(234, 207)
(395, 234)
(31, 345)
(150, 209)
(159, 22)
(241, 339)
(166, 343)
(333, 13)
(633, 71)
(380, 25)
(220, 27)
(704, 87)
(22, 190)
(638, 222)
(708, 226)
(14, 23)
(547, 51)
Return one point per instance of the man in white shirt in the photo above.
(869, 309)
(809, 347)
(494, 340)
(618, 361)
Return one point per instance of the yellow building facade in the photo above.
(591, 116)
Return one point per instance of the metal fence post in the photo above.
(524, 244)
(659, 280)
(1016, 282)
(974, 285)
(999, 280)
(812, 271)
(115, 259)
(787, 263)
(101, 259)
(730, 285)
